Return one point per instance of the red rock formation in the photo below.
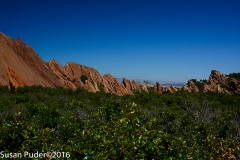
(127, 83)
(144, 88)
(170, 89)
(132, 86)
(111, 85)
(31, 59)
(14, 79)
(190, 87)
(74, 73)
(27, 68)
(94, 78)
(25, 63)
(61, 74)
(135, 86)
(217, 79)
(158, 88)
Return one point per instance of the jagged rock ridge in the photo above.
(20, 65)
(190, 87)
(217, 82)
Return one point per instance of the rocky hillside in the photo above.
(20, 65)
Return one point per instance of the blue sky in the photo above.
(167, 40)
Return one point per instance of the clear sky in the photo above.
(167, 40)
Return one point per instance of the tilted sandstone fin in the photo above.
(144, 88)
(94, 77)
(61, 74)
(32, 59)
(127, 85)
(111, 85)
(190, 87)
(217, 80)
(74, 73)
(25, 62)
(158, 88)
(14, 79)
(170, 89)
(135, 86)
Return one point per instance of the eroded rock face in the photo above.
(127, 83)
(61, 74)
(170, 89)
(74, 73)
(131, 85)
(190, 87)
(71, 75)
(27, 68)
(31, 59)
(94, 78)
(20, 65)
(158, 88)
(219, 82)
(14, 79)
(25, 63)
(144, 88)
(111, 85)
(135, 86)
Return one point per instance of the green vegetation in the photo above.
(105, 126)
(199, 84)
(234, 75)
(150, 89)
(83, 79)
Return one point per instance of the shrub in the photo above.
(83, 79)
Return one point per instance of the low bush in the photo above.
(98, 125)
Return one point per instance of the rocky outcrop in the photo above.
(133, 86)
(20, 65)
(71, 75)
(190, 87)
(25, 63)
(158, 88)
(62, 74)
(127, 83)
(32, 60)
(14, 79)
(219, 82)
(74, 73)
(111, 85)
(93, 76)
(170, 89)
(144, 88)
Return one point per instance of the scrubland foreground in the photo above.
(100, 125)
